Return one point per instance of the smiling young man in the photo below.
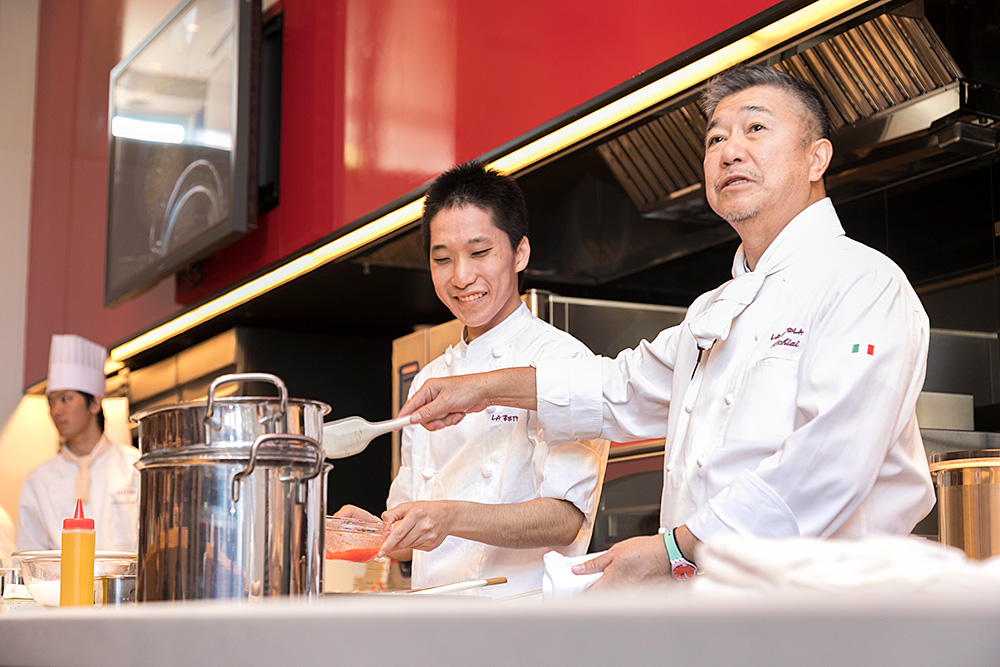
(88, 465)
(490, 497)
(787, 396)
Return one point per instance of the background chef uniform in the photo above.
(49, 492)
(6, 534)
(800, 418)
(497, 456)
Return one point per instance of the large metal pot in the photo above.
(968, 488)
(232, 496)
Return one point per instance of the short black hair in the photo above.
(741, 77)
(473, 184)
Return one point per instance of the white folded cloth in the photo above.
(884, 564)
(558, 580)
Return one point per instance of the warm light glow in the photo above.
(676, 82)
(601, 119)
(147, 130)
(297, 267)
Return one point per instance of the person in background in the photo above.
(490, 497)
(88, 465)
(787, 395)
(6, 534)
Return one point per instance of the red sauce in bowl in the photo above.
(353, 555)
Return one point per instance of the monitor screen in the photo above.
(182, 135)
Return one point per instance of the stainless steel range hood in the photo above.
(632, 199)
(898, 103)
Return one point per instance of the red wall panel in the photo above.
(381, 95)
(79, 43)
(378, 97)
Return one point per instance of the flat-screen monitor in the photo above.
(183, 143)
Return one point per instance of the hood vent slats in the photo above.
(874, 67)
(862, 73)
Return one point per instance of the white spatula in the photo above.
(349, 436)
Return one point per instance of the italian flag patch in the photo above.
(868, 349)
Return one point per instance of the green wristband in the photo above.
(680, 567)
(670, 542)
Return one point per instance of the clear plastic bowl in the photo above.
(40, 571)
(355, 540)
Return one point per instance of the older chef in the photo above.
(88, 465)
(491, 496)
(787, 395)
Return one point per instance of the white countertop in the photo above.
(654, 628)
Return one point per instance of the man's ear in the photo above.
(521, 254)
(820, 156)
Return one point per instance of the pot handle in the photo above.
(211, 423)
(262, 439)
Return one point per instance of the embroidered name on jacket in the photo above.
(790, 337)
(503, 418)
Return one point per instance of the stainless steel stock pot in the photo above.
(232, 496)
(968, 491)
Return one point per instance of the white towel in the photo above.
(558, 580)
(858, 567)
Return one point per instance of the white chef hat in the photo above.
(76, 363)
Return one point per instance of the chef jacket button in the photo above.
(490, 409)
(729, 398)
(700, 461)
(427, 473)
(689, 407)
(487, 471)
(448, 357)
(671, 465)
(499, 351)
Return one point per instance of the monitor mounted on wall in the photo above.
(183, 144)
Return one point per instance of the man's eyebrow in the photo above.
(472, 241)
(749, 108)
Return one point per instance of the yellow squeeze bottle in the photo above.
(76, 567)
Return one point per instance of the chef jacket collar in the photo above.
(815, 223)
(501, 334)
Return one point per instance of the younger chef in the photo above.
(490, 497)
(787, 396)
(87, 466)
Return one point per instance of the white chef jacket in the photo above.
(497, 456)
(48, 497)
(801, 422)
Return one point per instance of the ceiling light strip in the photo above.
(621, 109)
(676, 82)
(297, 267)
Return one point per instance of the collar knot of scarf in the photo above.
(83, 463)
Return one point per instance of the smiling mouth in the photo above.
(468, 298)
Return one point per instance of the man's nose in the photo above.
(733, 150)
(464, 273)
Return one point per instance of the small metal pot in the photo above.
(10, 573)
(118, 589)
(232, 497)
